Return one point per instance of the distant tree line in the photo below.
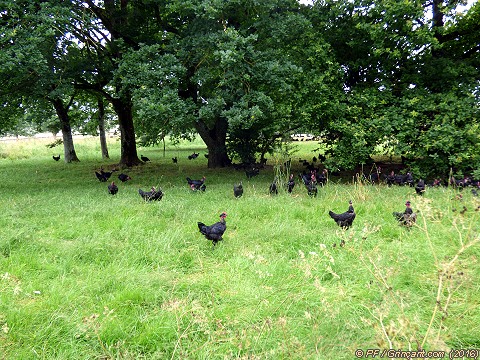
(399, 77)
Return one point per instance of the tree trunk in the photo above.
(101, 128)
(437, 14)
(437, 26)
(129, 156)
(69, 153)
(215, 139)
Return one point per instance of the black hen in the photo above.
(252, 172)
(214, 232)
(238, 190)
(408, 217)
(409, 179)
(322, 177)
(153, 195)
(107, 174)
(311, 185)
(124, 177)
(344, 220)
(290, 184)
(312, 189)
(144, 158)
(273, 189)
(196, 185)
(101, 176)
(56, 158)
(420, 187)
(175, 160)
(390, 179)
(193, 156)
(436, 183)
(112, 188)
(375, 177)
(306, 178)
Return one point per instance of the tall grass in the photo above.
(87, 275)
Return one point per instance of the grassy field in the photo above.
(87, 275)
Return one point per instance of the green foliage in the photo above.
(407, 87)
(152, 78)
(442, 132)
(242, 74)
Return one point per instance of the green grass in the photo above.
(86, 275)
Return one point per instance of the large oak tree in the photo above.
(35, 63)
(409, 81)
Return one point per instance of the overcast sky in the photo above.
(461, 8)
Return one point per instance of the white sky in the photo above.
(461, 8)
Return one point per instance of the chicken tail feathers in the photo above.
(398, 215)
(202, 228)
(332, 214)
(142, 194)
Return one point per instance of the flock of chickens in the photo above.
(215, 231)
(310, 180)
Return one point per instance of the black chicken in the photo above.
(193, 156)
(107, 174)
(290, 184)
(153, 195)
(399, 179)
(144, 158)
(408, 217)
(214, 232)
(273, 189)
(196, 185)
(312, 189)
(307, 178)
(112, 188)
(101, 176)
(238, 190)
(375, 177)
(436, 183)
(409, 179)
(310, 184)
(390, 179)
(344, 220)
(124, 177)
(420, 187)
(322, 178)
(56, 158)
(252, 172)
(175, 160)
(466, 181)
